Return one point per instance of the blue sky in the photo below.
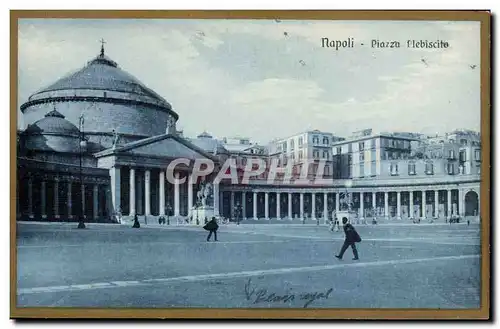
(243, 77)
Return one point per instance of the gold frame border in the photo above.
(192, 313)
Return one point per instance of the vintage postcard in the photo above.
(263, 164)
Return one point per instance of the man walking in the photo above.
(212, 227)
(351, 237)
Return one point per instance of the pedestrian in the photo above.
(336, 225)
(468, 221)
(351, 237)
(212, 227)
(136, 222)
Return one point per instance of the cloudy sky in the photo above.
(265, 79)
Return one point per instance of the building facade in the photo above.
(99, 143)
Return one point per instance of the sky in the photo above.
(266, 79)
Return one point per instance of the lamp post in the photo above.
(83, 145)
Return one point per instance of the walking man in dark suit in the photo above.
(212, 227)
(351, 237)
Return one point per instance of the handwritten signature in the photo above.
(263, 296)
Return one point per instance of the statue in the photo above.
(205, 194)
(116, 137)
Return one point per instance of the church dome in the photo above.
(53, 123)
(108, 98)
(207, 143)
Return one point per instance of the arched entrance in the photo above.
(471, 204)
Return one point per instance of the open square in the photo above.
(268, 266)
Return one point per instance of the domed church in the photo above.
(97, 144)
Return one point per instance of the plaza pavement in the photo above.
(105, 265)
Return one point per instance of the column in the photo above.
(337, 202)
(190, 194)
(132, 192)
(436, 203)
(162, 192)
(412, 211)
(448, 205)
(43, 198)
(266, 205)
(386, 205)
(177, 209)
(216, 199)
(424, 206)
(114, 173)
(374, 204)
(243, 205)
(254, 205)
(278, 206)
(362, 204)
(147, 192)
(70, 201)
(95, 199)
(398, 196)
(290, 215)
(313, 206)
(231, 205)
(56, 198)
(461, 203)
(325, 206)
(302, 205)
(82, 192)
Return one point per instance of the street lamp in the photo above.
(83, 145)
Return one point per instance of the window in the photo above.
(361, 146)
(374, 168)
(394, 169)
(284, 146)
(292, 144)
(462, 156)
(374, 143)
(451, 168)
(327, 170)
(315, 140)
(463, 142)
(429, 168)
(315, 154)
(339, 150)
(325, 155)
(326, 140)
(362, 169)
(477, 155)
(301, 154)
(411, 168)
(361, 156)
(301, 141)
(292, 156)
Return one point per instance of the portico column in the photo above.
(374, 203)
(114, 174)
(448, 205)
(69, 201)
(190, 194)
(177, 209)
(278, 206)
(266, 205)
(461, 203)
(412, 212)
(313, 206)
(337, 202)
(147, 192)
(424, 206)
(290, 215)
(386, 204)
(231, 205)
(325, 206)
(216, 199)
(162, 193)
(362, 205)
(43, 197)
(436, 203)
(56, 198)
(398, 196)
(132, 192)
(302, 205)
(95, 199)
(243, 205)
(255, 205)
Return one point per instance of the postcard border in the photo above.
(204, 313)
